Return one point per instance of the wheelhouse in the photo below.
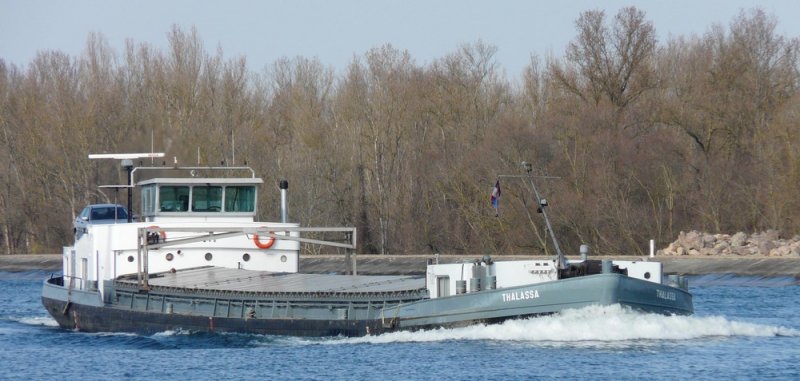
(199, 197)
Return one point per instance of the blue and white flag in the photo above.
(496, 198)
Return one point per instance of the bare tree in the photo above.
(614, 63)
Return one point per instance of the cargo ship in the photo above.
(196, 259)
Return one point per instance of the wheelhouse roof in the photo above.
(202, 180)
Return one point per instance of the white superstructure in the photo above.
(457, 278)
(186, 222)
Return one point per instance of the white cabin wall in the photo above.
(507, 274)
(74, 272)
(116, 244)
(66, 255)
(198, 217)
(455, 271)
(649, 271)
(519, 273)
(65, 250)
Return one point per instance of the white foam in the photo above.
(591, 324)
(173, 332)
(45, 321)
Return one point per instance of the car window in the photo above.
(102, 214)
(108, 213)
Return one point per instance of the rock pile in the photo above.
(768, 243)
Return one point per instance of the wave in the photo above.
(585, 326)
(174, 332)
(588, 325)
(45, 321)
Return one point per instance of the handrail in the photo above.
(71, 280)
(176, 168)
(209, 233)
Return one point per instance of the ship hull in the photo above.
(108, 319)
(493, 306)
(86, 311)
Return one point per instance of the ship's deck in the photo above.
(240, 280)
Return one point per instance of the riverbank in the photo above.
(28, 262)
(415, 264)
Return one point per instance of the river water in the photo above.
(744, 328)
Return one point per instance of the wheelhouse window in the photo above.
(240, 198)
(148, 200)
(207, 199)
(173, 198)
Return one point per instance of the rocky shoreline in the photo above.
(766, 244)
(690, 264)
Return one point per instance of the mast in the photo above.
(542, 203)
(128, 165)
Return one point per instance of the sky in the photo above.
(337, 31)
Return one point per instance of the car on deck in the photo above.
(97, 214)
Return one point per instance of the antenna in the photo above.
(123, 156)
(152, 144)
(127, 162)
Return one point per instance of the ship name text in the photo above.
(520, 295)
(666, 295)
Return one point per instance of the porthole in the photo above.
(170, 257)
(130, 258)
(647, 275)
(246, 257)
(209, 256)
(283, 258)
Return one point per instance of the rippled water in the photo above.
(744, 328)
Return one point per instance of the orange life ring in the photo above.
(162, 233)
(263, 245)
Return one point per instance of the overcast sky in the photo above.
(335, 31)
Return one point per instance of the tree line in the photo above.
(646, 137)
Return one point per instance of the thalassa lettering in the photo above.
(520, 295)
(666, 295)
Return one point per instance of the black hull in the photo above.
(108, 319)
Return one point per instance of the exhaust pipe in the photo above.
(284, 185)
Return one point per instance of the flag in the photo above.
(496, 198)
